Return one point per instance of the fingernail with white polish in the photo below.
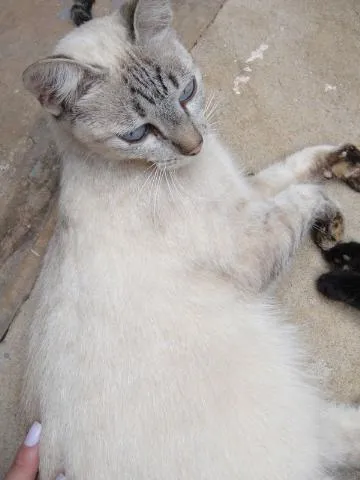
(33, 436)
(60, 477)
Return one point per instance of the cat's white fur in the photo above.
(157, 352)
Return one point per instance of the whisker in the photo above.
(156, 212)
(323, 232)
(213, 126)
(152, 171)
(315, 227)
(153, 193)
(209, 102)
(210, 114)
(169, 186)
(180, 204)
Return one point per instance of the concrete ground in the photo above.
(285, 74)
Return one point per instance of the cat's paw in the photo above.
(328, 230)
(80, 14)
(344, 256)
(340, 286)
(344, 164)
(329, 284)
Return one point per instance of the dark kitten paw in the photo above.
(344, 164)
(341, 286)
(79, 15)
(328, 231)
(329, 286)
(344, 256)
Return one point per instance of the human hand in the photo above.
(26, 463)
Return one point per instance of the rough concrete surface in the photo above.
(285, 75)
(301, 90)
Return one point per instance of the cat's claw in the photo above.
(344, 164)
(328, 230)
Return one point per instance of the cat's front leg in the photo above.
(275, 228)
(311, 165)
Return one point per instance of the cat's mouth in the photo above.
(175, 163)
(181, 158)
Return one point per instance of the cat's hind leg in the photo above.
(312, 164)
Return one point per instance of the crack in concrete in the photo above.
(206, 28)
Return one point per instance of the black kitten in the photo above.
(81, 11)
(343, 282)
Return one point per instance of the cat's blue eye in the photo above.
(136, 135)
(188, 92)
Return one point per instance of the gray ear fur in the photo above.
(58, 82)
(152, 18)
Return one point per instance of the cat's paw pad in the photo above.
(344, 256)
(344, 164)
(340, 261)
(328, 230)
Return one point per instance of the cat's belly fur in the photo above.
(193, 385)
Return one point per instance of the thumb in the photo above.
(26, 463)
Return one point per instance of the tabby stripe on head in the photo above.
(173, 80)
(142, 70)
(152, 81)
(139, 109)
(158, 74)
(140, 80)
(146, 77)
(139, 92)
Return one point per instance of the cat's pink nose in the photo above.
(197, 149)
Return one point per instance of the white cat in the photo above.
(156, 352)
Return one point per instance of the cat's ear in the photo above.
(59, 82)
(152, 18)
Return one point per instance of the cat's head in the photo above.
(124, 87)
